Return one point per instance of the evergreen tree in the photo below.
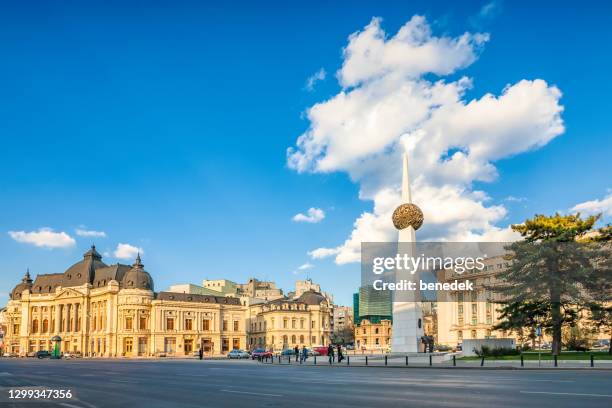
(551, 274)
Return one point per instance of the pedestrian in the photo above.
(201, 353)
(304, 353)
(296, 350)
(330, 353)
(340, 356)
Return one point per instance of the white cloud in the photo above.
(314, 78)
(599, 206)
(44, 237)
(303, 267)
(514, 199)
(82, 232)
(313, 216)
(127, 251)
(387, 107)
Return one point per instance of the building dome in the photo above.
(312, 298)
(83, 271)
(137, 277)
(26, 283)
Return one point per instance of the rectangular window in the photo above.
(128, 323)
(236, 325)
(225, 325)
(206, 325)
(285, 323)
(142, 325)
(293, 324)
(170, 324)
(301, 323)
(188, 324)
(312, 324)
(224, 345)
(236, 344)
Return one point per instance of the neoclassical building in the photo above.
(286, 323)
(113, 310)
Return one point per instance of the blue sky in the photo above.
(166, 125)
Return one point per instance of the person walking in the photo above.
(201, 353)
(296, 351)
(304, 355)
(339, 352)
(330, 353)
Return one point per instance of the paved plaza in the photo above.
(221, 383)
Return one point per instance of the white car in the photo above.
(238, 354)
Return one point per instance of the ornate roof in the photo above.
(187, 297)
(90, 270)
(311, 297)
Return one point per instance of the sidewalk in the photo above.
(442, 361)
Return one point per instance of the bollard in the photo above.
(279, 359)
(385, 360)
(522, 361)
(555, 361)
(454, 361)
(592, 361)
(348, 360)
(482, 361)
(430, 360)
(315, 360)
(406, 360)
(289, 359)
(366, 360)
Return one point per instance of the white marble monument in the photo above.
(407, 314)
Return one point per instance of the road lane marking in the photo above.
(577, 394)
(252, 393)
(5, 374)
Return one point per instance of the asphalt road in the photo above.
(193, 383)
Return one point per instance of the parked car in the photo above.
(442, 347)
(43, 354)
(322, 350)
(350, 347)
(31, 354)
(261, 353)
(287, 352)
(311, 352)
(9, 354)
(238, 354)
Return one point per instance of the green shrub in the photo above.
(486, 351)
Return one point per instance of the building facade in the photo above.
(373, 336)
(102, 310)
(285, 323)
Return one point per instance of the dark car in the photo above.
(261, 353)
(288, 352)
(43, 354)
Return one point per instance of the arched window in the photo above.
(293, 339)
(45, 326)
(35, 326)
(285, 340)
(302, 339)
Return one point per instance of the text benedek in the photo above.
(403, 284)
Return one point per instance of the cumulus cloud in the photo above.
(598, 206)
(127, 251)
(313, 216)
(82, 232)
(314, 78)
(391, 103)
(43, 237)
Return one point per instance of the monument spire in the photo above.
(406, 196)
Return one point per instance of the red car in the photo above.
(261, 353)
(322, 350)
